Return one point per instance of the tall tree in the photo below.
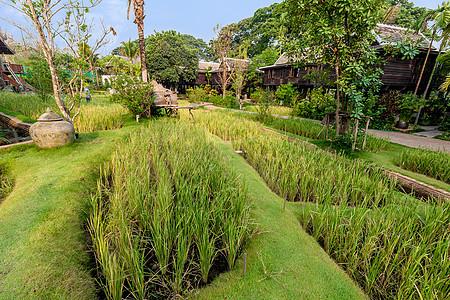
(222, 48)
(129, 50)
(139, 15)
(337, 33)
(169, 60)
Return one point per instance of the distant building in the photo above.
(399, 74)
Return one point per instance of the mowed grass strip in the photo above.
(43, 244)
(283, 261)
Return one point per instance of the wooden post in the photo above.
(328, 126)
(356, 135)
(365, 132)
(245, 264)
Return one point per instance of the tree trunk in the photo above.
(337, 99)
(224, 83)
(139, 14)
(425, 62)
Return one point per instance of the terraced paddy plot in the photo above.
(226, 125)
(399, 251)
(314, 130)
(298, 172)
(169, 215)
(426, 162)
(95, 117)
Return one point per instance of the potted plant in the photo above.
(409, 104)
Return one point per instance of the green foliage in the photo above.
(406, 13)
(130, 50)
(169, 60)
(342, 39)
(228, 101)
(262, 30)
(133, 94)
(287, 94)
(427, 162)
(197, 95)
(409, 103)
(315, 106)
(265, 102)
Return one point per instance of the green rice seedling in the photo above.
(150, 193)
(275, 110)
(225, 125)
(297, 172)
(427, 162)
(396, 251)
(94, 118)
(28, 105)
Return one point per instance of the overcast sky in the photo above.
(194, 17)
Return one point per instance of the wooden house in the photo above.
(8, 71)
(204, 67)
(399, 74)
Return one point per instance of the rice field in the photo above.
(297, 172)
(399, 251)
(99, 117)
(28, 105)
(426, 162)
(169, 214)
(395, 247)
(228, 126)
(314, 130)
(274, 110)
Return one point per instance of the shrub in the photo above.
(316, 105)
(228, 102)
(286, 94)
(197, 95)
(132, 93)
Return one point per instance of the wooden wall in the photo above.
(399, 74)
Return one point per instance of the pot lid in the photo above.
(49, 116)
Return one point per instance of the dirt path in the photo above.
(413, 141)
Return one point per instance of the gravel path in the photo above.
(414, 141)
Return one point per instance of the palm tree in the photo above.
(441, 18)
(130, 51)
(138, 6)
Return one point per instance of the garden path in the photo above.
(413, 141)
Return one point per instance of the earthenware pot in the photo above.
(52, 131)
(402, 125)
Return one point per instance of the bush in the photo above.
(197, 95)
(286, 94)
(132, 93)
(228, 102)
(316, 105)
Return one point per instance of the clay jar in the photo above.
(52, 131)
